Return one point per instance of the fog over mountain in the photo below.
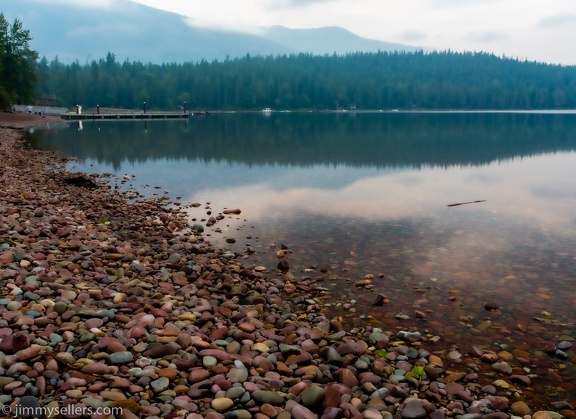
(139, 33)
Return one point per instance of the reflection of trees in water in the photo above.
(375, 140)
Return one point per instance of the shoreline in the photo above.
(21, 120)
(106, 303)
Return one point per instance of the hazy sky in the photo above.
(533, 29)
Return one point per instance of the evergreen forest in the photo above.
(382, 80)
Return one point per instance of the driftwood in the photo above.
(465, 203)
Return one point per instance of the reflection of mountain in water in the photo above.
(378, 140)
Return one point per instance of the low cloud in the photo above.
(450, 4)
(413, 36)
(486, 37)
(561, 19)
(306, 2)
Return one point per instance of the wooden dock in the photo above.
(141, 115)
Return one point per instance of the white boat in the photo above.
(266, 110)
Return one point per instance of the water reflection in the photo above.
(288, 169)
(369, 195)
(294, 139)
(510, 190)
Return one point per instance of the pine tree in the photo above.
(18, 63)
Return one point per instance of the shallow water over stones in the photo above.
(518, 302)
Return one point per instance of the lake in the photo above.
(464, 223)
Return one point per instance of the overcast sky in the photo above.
(541, 30)
(537, 30)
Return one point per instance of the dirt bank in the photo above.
(23, 120)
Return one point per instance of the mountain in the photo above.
(129, 30)
(327, 40)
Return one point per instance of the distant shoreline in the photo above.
(19, 120)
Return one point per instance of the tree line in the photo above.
(376, 80)
(381, 80)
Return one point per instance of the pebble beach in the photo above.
(114, 306)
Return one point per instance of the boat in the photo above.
(266, 110)
(199, 113)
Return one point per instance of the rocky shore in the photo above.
(109, 302)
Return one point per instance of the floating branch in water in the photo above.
(464, 203)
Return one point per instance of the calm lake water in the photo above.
(356, 194)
